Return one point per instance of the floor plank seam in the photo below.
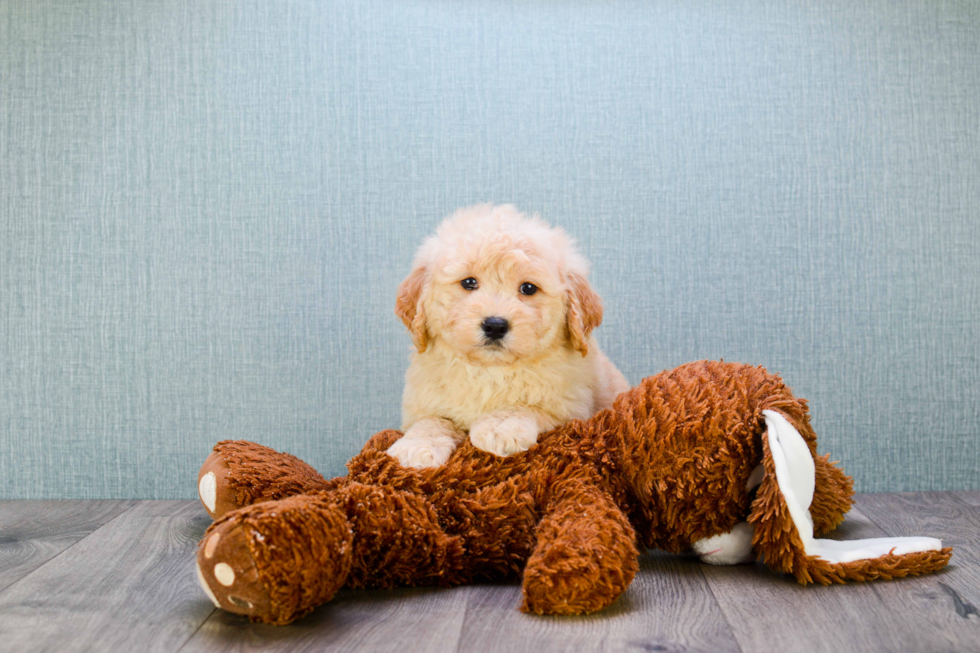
(466, 613)
(201, 625)
(721, 608)
(197, 630)
(67, 548)
(855, 506)
(971, 509)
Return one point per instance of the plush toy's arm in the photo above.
(585, 556)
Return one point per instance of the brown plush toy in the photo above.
(712, 456)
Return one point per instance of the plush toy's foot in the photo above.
(278, 560)
(239, 473)
(216, 493)
(731, 548)
(228, 574)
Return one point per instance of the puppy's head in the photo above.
(496, 287)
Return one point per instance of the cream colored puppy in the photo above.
(500, 313)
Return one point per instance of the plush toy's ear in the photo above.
(408, 307)
(784, 527)
(584, 312)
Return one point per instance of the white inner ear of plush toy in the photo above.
(796, 475)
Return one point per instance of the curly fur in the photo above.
(546, 370)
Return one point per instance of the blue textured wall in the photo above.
(206, 207)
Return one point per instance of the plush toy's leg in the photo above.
(585, 556)
(276, 561)
(239, 473)
(784, 529)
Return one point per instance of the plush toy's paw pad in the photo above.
(227, 571)
(213, 488)
(207, 490)
(731, 548)
(504, 434)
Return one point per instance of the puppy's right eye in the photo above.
(469, 283)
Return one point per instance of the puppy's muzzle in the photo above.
(495, 328)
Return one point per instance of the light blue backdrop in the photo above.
(206, 207)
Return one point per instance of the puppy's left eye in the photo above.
(528, 288)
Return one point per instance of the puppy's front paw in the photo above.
(421, 453)
(427, 443)
(504, 433)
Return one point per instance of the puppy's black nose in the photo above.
(495, 328)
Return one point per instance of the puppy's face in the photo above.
(496, 306)
(495, 287)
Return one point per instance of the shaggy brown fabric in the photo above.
(665, 467)
(250, 473)
(831, 496)
(585, 555)
(287, 556)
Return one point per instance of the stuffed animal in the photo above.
(711, 456)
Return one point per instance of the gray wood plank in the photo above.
(129, 586)
(947, 604)
(771, 612)
(403, 620)
(668, 607)
(33, 532)
(968, 497)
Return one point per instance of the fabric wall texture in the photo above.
(206, 207)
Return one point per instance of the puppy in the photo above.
(501, 315)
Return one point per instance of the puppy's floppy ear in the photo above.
(408, 307)
(584, 312)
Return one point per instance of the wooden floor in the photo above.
(119, 576)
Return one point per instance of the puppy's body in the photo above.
(561, 385)
(501, 390)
